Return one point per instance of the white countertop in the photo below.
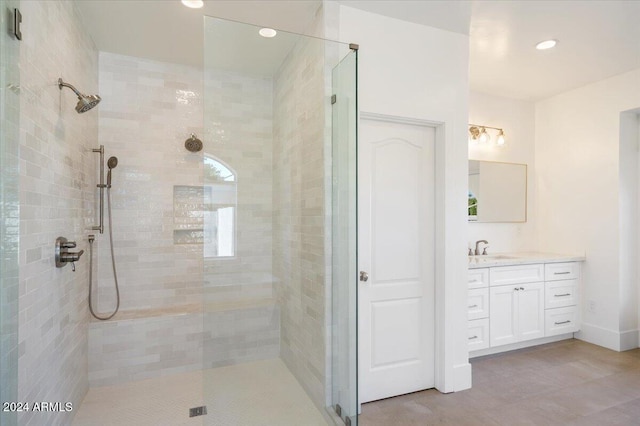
(504, 259)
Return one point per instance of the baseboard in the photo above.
(519, 345)
(461, 377)
(629, 340)
(610, 339)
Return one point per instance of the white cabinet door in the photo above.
(530, 311)
(396, 229)
(503, 308)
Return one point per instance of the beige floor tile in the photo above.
(567, 382)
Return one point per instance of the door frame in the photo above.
(445, 381)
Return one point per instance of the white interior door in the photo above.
(396, 188)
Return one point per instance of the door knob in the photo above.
(364, 277)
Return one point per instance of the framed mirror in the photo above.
(497, 192)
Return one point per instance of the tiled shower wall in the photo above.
(9, 212)
(56, 199)
(298, 221)
(148, 109)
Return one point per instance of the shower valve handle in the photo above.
(68, 244)
(71, 257)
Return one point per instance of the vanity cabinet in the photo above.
(520, 302)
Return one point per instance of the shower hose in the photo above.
(113, 264)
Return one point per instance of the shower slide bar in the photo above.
(102, 186)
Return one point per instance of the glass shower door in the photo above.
(344, 240)
(268, 307)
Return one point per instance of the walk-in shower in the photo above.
(234, 251)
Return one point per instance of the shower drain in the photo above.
(198, 411)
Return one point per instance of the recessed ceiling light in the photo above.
(193, 4)
(547, 44)
(267, 32)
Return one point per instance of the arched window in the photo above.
(220, 201)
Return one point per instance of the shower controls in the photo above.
(64, 256)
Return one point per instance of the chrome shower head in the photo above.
(112, 162)
(85, 102)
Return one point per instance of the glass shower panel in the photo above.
(9, 211)
(344, 240)
(267, 257)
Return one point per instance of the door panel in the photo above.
(531, 311)
(503, 307)
(396, 180)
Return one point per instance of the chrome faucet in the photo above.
(484, 252)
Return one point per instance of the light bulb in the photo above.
(500, 141)
(547, 44)
(193, 4)
(484, 136)
(267, 32)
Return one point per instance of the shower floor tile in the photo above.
(258, 393)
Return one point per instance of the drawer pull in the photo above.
(521, 288)
(562, 322)
(473, 306)
(562, 273)
(562, 295)
(473, 337)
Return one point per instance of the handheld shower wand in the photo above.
(112, 162)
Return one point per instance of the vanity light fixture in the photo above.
(478, 135)
(546, 44)
(267, 32)
(193, 4)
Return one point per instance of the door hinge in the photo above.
(334, 99)
(17, 20)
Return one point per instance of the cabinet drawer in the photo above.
(518, 274)
(478, 278)
(559, 294)
(561, 271)
(478, 334)
(561, 320)
(478, 303)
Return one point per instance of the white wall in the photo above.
(414, 71)
(577, 160)
(516, 117)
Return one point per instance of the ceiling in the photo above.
(596, 39)
(165, 30)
